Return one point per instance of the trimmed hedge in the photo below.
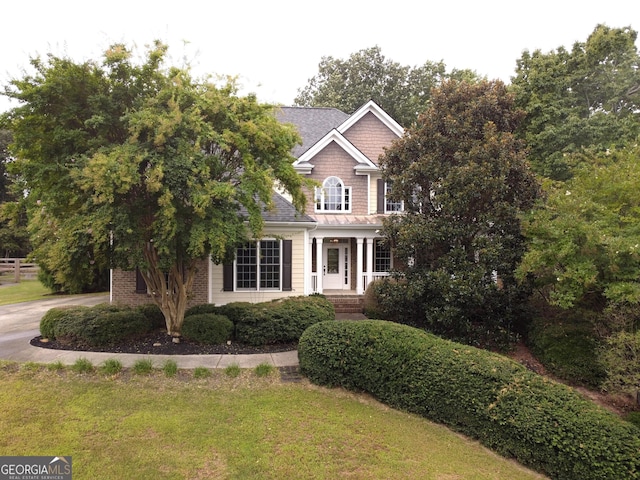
(207, 328)
(235, 311)
(202, 308)
(50, 319)
(282, 321)
(96, 326)
(279, 321)
(542, 424)
(238, 311)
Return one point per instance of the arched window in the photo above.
(333, 196)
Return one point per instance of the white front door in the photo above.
(336, 275)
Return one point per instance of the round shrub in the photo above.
(100, 325)
(112, 327)
(237, 311)
(153, 314)
(49, 321)
(282, 321)
(371, 306)
(69, 327)
(542, 424)
(207, 328)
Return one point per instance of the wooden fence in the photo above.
(18, 268)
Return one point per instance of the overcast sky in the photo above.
(274, 46)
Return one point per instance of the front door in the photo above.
(335, 258)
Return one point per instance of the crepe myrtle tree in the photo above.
(147, 167)
(464, 180)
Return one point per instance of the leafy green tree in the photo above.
(14, 238)
(136, 165)
(584, 98)
(68, 110)
(464, 180)
(584, 242)
(402, 91)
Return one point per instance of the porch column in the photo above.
(369, 261)
(359, 270)
(308, 267)
(319, 265)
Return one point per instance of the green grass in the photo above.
(227, 428)
(25, 291)
(82, 365)
(232, 370)
(170, 368)
(201, 372)
(56, 366)
(111, 366)
(264, 369)
(143, 366)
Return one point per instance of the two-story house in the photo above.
(335, 247)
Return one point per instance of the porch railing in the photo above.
(374, 276)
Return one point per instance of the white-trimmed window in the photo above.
(258, 265)
(333, 196)
(391, 206)
(381, 256)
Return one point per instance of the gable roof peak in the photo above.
(372, 107)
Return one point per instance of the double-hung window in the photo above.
(381, 256)
(259, 265)
(333, 196)
(391, 206)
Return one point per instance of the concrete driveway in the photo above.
(19, 317)
(20, 322)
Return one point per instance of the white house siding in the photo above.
(373, 192)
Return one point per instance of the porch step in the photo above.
(347, 303)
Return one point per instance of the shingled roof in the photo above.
(283, 211)
(312, 123)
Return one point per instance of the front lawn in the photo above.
(24, 291)
(223, 427)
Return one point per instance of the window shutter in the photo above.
(286, 265)
(141, 286)
(227, 277)
(381, 193)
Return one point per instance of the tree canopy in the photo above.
(584, 242)
(138, 165)
(464, 180)
(14, 239)
(585, 98)
(402, 91)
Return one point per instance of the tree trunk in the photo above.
(170, 290)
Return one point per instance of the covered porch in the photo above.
(346, 265)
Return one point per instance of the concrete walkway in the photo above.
(20, 322)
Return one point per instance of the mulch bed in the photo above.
(159, 343)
